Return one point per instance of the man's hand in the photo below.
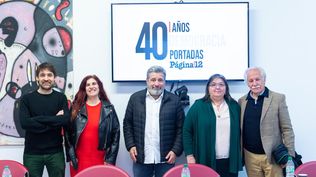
(60, 113)
(171, 157)
(190, 159)
(133, 153)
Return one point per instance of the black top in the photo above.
(42, 127)
(251, 125)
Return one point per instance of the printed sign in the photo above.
(191, 41)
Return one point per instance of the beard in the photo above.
(155, 91)
(45, 86)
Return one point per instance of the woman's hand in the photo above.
(190, 159)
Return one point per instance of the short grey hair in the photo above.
(156, 69)
(261, 70)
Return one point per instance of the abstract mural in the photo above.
(31, 32)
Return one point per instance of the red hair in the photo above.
(81, 95)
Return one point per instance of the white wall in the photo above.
(282, 40)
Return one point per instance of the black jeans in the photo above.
(222, 168)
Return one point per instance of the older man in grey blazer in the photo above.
(265, 124)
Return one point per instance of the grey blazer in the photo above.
(275, 126)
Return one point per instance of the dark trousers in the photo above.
(222, 168)
(148, 170)
(55, 164)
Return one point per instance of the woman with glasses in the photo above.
(211, 131)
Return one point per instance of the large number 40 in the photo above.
(148, 49)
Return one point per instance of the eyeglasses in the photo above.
(216, 85)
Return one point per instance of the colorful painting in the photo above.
(31, 32)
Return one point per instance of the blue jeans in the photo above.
(148, 170)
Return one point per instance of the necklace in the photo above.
(218, 109)
(218, 113)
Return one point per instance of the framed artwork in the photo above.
(31, 32)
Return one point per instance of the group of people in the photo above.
(217, 131)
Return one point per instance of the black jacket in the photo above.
(171, 116)
(109, 131)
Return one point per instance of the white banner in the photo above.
(191, 41)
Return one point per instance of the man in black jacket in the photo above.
(43, 113)
(153, 126)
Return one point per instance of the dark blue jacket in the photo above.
(171, 118)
